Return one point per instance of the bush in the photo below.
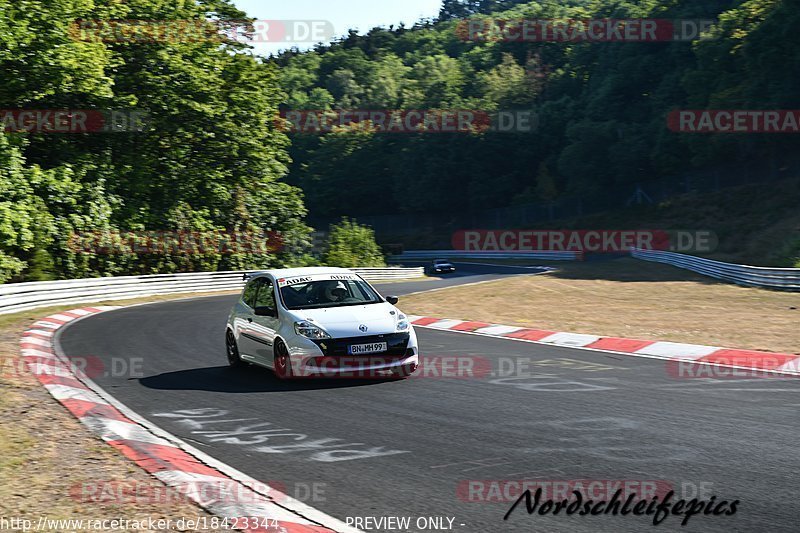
(351, 245)
(789, 255)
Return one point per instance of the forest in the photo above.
(214, 158)
(602, 107)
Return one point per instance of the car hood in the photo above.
(345, 321)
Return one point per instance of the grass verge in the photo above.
(627, 298)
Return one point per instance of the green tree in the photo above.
(387, 86)
(345, 89)
(212, 159)
(20, 212)
(507, 85)
(352, 245)
(439, 81)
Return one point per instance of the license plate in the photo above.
(362, 349)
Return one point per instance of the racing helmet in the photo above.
(335, 291)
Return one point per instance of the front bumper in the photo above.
(359, 367)
(331, 358)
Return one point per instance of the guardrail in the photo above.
(787, 279)
(550, 255)
(390, 273)
(17, 297)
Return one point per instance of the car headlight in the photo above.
(402, 323)
(310, 331)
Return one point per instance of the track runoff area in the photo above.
(460, 445)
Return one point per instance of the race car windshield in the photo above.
(328, 293)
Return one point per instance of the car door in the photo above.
(262, 329)
(243, 318)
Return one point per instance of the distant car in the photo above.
(441, 266)
(319, 322)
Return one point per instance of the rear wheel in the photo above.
(232, 350)
(283, 363)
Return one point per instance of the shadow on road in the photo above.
(245, 380)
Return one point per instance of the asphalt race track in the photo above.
(409, 448)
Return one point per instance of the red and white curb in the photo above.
(767, 362)
(189, 471)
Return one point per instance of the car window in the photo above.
(328, 293)
(265, 296)
(249, 294)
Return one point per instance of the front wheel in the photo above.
(283, 363)
(404, 371)
(234, 360)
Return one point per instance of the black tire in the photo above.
(234, 360)
(283, 363)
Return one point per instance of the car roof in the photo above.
(305, 271)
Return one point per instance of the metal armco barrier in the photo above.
(382, 274)
(787, 279)
(17, 297)
(463, 254)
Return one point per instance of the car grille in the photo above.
(396, 342)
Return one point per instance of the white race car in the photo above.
(320, 322)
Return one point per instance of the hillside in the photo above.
(601, 108)
(755, 224)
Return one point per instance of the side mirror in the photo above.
(392, 299)
(266, 311)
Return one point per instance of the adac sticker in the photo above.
(286, 282)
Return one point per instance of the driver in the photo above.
(335, 291)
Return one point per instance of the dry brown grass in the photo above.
(628, 298)
(45, 453)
